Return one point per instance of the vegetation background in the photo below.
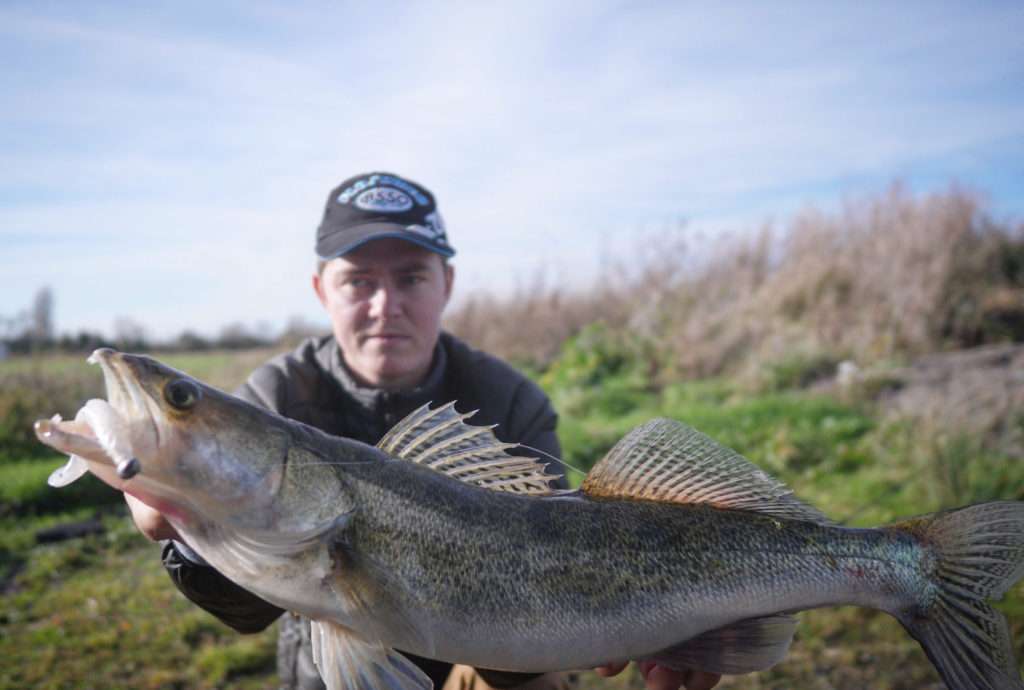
(873, 358)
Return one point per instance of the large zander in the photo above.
(438, 543)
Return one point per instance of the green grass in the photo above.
(24, 491)
(795, 436)
(28, 504)
(100, 612)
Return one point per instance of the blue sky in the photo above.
(168, 163)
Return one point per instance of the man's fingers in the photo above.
(149, 520)
(663, 678)
(609, 670)
(701, 680)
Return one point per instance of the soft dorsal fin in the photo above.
(665, 460)
(441, 440)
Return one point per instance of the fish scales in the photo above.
(514, 563)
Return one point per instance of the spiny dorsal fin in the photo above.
(441, 440)
(665, 460)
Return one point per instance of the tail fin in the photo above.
(979, 555)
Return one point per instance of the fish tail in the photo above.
(974, 554)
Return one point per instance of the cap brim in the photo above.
(341, 243)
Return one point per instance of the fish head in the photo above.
(190, 449)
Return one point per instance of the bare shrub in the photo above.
(530, 326)
(884, 278)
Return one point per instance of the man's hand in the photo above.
(150, 521)
(663, 678)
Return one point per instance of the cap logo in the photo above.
(382, 180)
(432, 228)
(384, 200)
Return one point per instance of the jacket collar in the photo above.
(378, 401)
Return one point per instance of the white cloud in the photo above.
(172, 162)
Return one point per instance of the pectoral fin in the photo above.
(251, 551)
(370, 591)
(348, 662)
(284, 543)
(743, 647)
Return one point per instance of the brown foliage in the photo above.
(890, 277)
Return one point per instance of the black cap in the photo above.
(376, 205)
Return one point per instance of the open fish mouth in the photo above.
(106, 434)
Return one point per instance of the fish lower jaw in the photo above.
(180, 516)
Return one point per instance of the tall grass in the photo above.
(964, 413)
(889, 277)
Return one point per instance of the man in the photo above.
(384, 279)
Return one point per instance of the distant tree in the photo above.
(83, 341)
(21, 344)
(30, 329)
(42, 317)
(265, 331)
(299, 328)
(12, 326)
(237, 336)
(130, 335)
(190, 341)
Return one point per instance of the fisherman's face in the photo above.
(385, 300)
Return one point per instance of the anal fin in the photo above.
(348, 662)
(743, 647)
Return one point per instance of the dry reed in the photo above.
(884, 278)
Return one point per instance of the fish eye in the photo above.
(182, 393)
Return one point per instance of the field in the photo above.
(753, 342)
(98, 611)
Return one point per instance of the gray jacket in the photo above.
(312, 385)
